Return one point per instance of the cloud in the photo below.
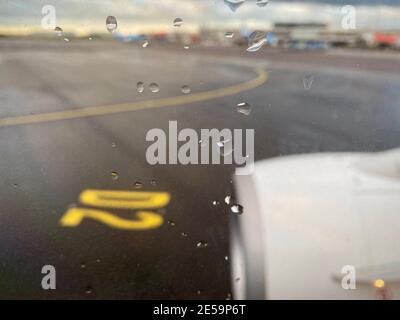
(142, 15)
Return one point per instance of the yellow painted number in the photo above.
(144, 220)
(124, 199)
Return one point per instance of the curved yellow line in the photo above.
(127, 107)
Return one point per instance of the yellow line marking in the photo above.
(141, 105)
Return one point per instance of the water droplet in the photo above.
(228, 199)
(89, 290)
(184, 234)
(186, 47)
(145, 44)
(154, 87)
(224, 148)
(83, 265)
(59, 32)
(229, 34)
(202, 244)
(215, 202)
(243, 108)
(234, 4)
(66, 39)
(221, 143)
(237, 209)
(98, 260)
(237, 279)
(90, 38)
(138, 185)
(113, 144)
(171, 223)
(262, 3)
(114, 175)
(198, 292)
(228, 296)
(308, 81)
(111, 23)
(153, 182)
(15, 185)
(226, 258)
(178, 22)
(202, 143)
(140, 87)
(256, 40)
(186, 89)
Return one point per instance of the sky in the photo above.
(135, 16)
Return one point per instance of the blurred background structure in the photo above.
(289, 24)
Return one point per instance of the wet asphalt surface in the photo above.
(350, 106)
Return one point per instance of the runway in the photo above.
(72, 120)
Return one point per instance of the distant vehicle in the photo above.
(307, 45)
(130, 38)
(309, 220)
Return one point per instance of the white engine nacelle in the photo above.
(308, 218)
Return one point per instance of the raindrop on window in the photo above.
(262, 3)
(243, 108)
(221, 143)
(234, 4)
(114, 175)
(228, 199)
(140, 87)
(59, 32)
(89, 290)
(154, 87)
(178, 22)
(171, 223)
(237, 209)
(202, 244)
(138, 185)
(186, 89)
(256, 40)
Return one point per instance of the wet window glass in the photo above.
(199, 149)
